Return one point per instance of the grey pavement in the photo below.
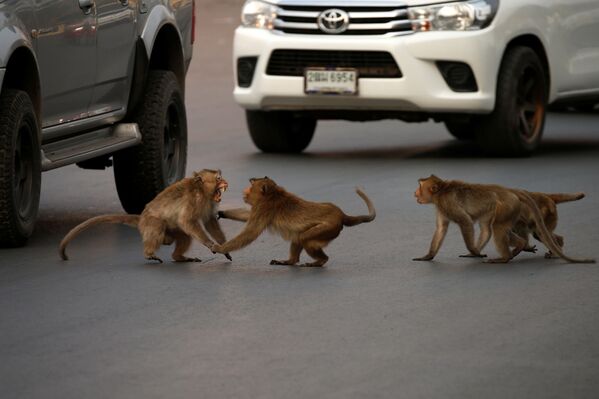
(371, 324)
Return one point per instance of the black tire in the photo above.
(280, 131)
(462, 129)
(20, 168)
(142, 172)
(516, 125)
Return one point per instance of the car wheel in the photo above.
(143, 171)
(280, 131)
(463, 129)
(20, 168)
(516, 125)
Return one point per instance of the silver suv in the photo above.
(96, 83)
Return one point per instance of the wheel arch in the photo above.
(533, 42)
(163, 43)
(22, 73)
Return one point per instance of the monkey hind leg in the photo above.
(183, 242)
(501, 235)
(153, 235)
(294, 256)
(518, 242)
(316, 252)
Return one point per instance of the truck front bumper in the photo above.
(422, 88)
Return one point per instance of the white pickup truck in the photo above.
(488, 69)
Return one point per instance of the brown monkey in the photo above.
(531, 212)
(308, 225)
(547, 204)
(464, 204)
(498, 209)
(175, 215)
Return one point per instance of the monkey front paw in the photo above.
(228, 256)
(424, 258)
(153, 257)
(473, 256)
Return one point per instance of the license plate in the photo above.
(331, 81)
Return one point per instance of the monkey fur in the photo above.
(175, 215)
(497, 209)
(547, 204)
(309, 226)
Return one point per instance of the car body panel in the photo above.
(116, 35)
(66, 53)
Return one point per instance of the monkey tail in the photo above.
(129, 220)
(355, 220)
(559, 198)
(545, 235)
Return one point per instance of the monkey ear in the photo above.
(264, 188)
(434, 188)
(197, 177)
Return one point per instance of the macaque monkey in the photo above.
(547, 204)
(307, 225)
(496, 208)
(465, 204)
(175, 215)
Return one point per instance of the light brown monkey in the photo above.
(547, 204)
(175, 215)
(307, 225)
(498, 209)
(464, 204)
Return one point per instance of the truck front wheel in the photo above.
(142, 172)
(280, 131)
(20, 168)
(515, 127)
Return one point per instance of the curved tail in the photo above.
(130, 220)
(355, 220)
(545, 235)
(559, 198)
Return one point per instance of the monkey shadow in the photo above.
(524, 264)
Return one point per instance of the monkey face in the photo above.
(422, 195)
(258, 188)
(426, 188)
(212, 183)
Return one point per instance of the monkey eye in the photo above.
(218, 178)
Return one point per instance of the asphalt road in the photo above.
(371, 324)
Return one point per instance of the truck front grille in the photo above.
(363, 20)
(370, 64)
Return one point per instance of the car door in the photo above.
(66, 51)
(116, 32)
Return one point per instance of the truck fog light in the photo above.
(458, 76)
(245, 71)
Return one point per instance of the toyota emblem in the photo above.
(333, 21)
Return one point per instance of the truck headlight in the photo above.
(457, 16)
(258, 14)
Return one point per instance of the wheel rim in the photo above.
(172, 144)
(23, 172)
(530, 104)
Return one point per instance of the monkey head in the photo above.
(427, 187)
(258, 189)
(212, 183)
